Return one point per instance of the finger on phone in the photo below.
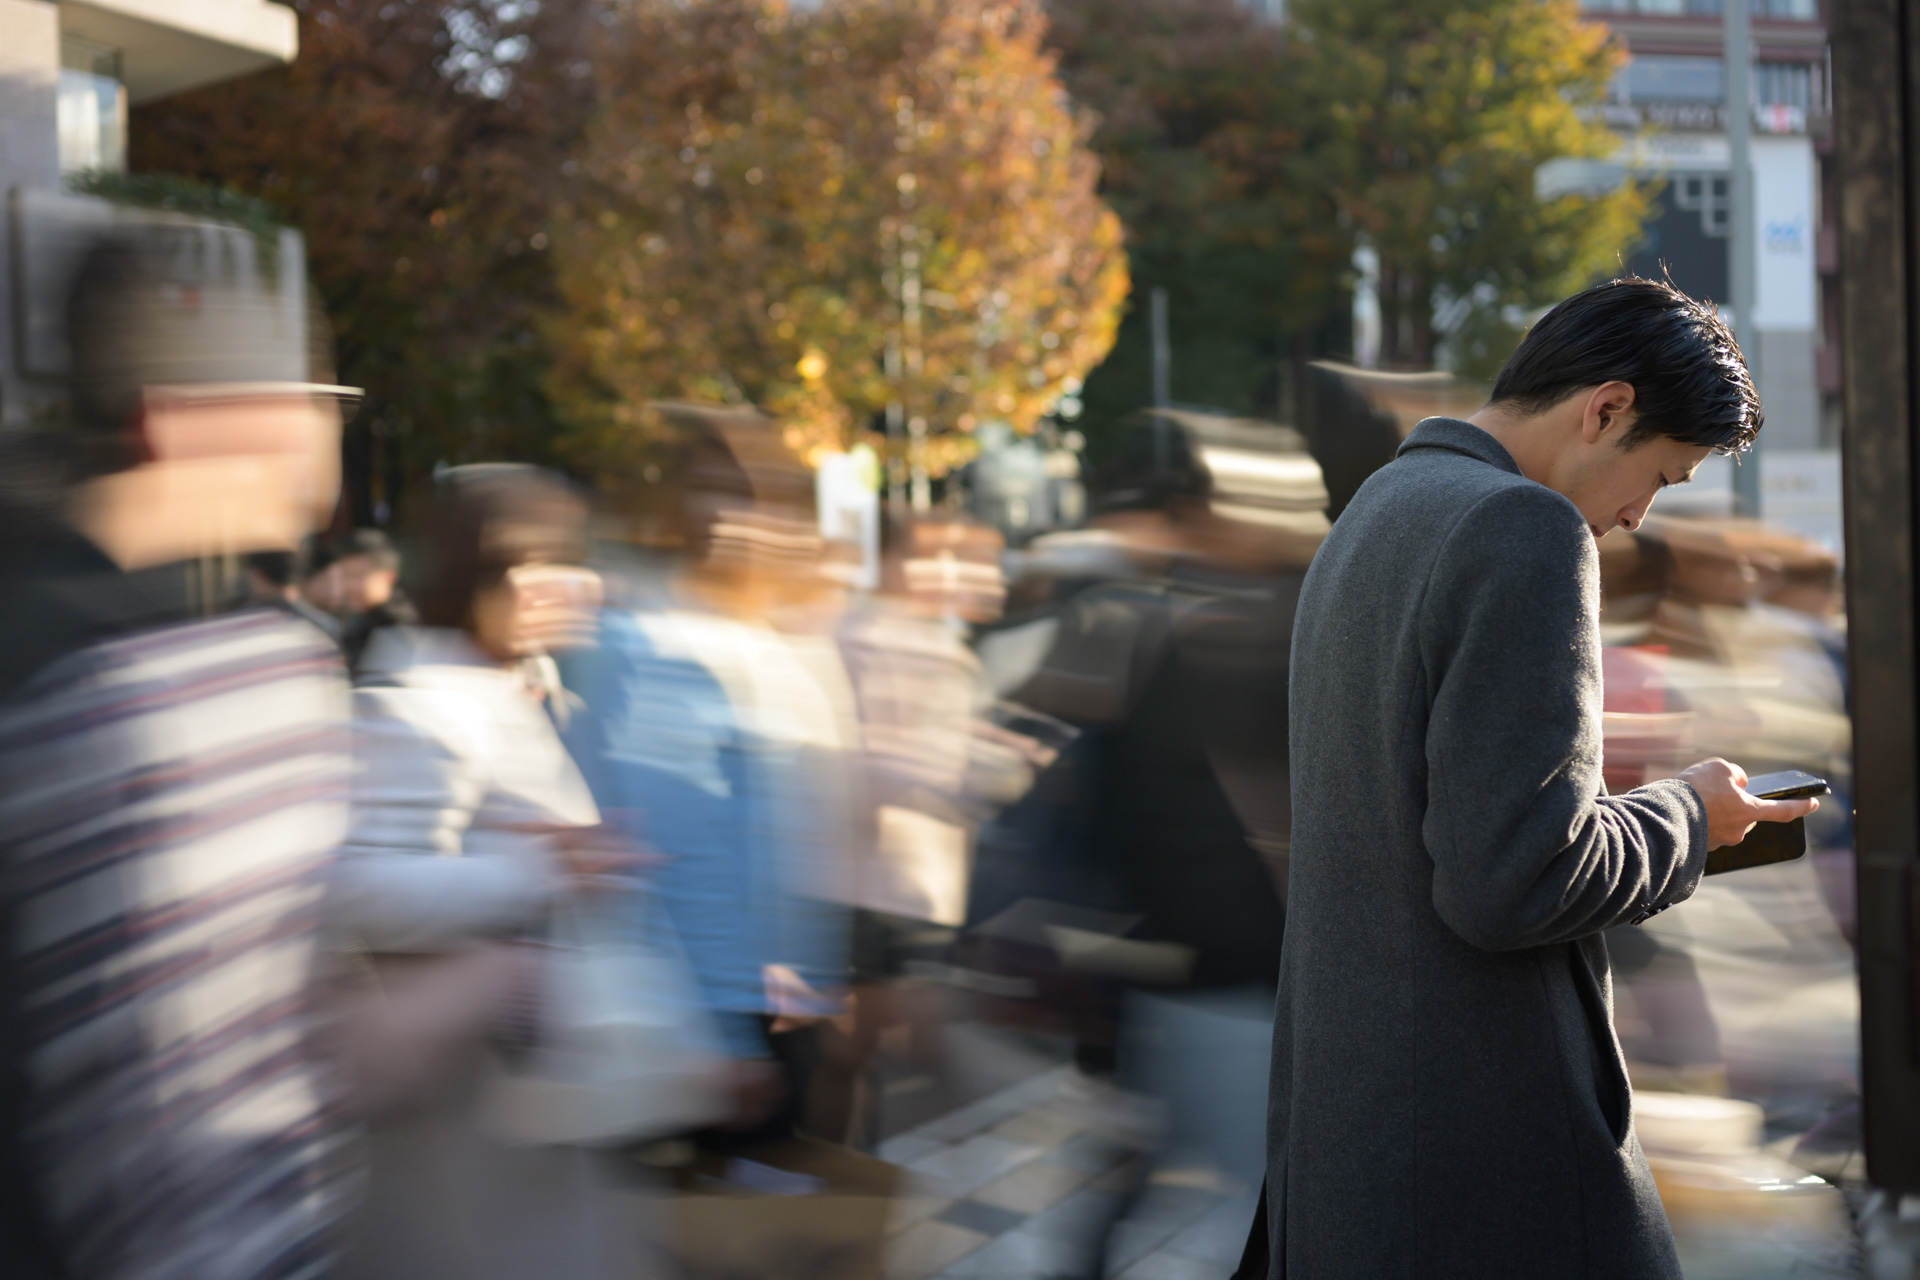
(1787, 810)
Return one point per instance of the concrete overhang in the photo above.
(170, 46)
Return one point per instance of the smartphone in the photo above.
(1788, 784)
(1770, 842)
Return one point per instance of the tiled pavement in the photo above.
(1018, 1184)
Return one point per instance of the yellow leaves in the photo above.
(927, 166)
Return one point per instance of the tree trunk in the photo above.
(1406, 318)
(1389, 315)
(1419, 308)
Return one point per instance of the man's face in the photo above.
(289, 446)
(1615, 485)
(362, 584)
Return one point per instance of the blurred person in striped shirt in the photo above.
(172, 786)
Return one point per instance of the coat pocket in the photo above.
(1607, 1068)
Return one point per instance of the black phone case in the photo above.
(1767, 843)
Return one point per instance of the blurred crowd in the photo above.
(518, 894)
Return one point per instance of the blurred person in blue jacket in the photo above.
(721, 741)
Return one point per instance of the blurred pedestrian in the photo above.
(929, 776)
(362, 574)
(1176, 676)
(470, 824)
(172, 785)
(1447, 1095)
(725, 743)
(362, 587)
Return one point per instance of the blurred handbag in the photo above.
(626, 1051)
(401, 1026)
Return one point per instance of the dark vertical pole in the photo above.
(1874, 77)
(1162, 374)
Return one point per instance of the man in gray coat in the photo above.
(1447, 1097)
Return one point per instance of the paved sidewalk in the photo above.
(1018, 1183)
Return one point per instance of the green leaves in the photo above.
(1437, 113)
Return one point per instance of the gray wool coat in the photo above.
(1448, 1098)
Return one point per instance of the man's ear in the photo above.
(1607, 413)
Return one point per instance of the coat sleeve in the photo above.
(1526, 848)
(404, 881)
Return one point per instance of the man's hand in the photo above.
(1731, 812)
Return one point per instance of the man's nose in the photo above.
(1632, 516)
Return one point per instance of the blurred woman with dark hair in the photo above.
(470, 823)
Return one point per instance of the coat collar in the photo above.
(1459, 437)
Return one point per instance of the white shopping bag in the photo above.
(628, 1049)
(918, 869)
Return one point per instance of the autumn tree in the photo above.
(864, 211)
(419, 146)
(1428, 119)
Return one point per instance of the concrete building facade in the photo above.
(1669, 105)
(69, 69)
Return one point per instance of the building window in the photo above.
(1705, 194)
(92, 107)
(1663, 78)
(1668, 8)
(1785, 84)
(1792, 10)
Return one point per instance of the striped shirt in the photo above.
(168, 803)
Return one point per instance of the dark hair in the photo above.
(371, 543)
(481, 521)
(277, 568)
(1689, 380)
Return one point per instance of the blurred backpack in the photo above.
(1135, 860)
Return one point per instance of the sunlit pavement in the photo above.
(1780, 981)
(1018, 1183)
